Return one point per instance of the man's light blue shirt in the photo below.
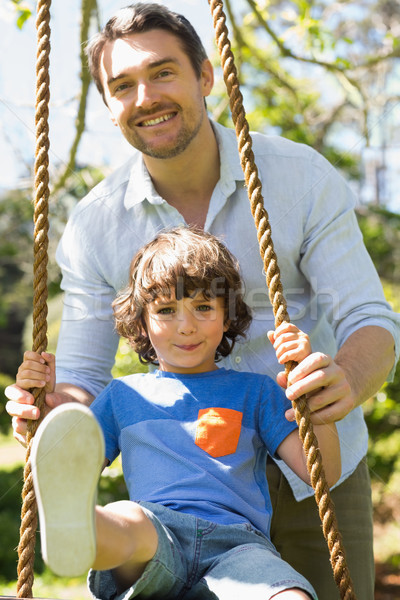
(330, 283)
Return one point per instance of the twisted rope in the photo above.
(26, 547)
(302, 413)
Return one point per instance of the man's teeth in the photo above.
(156, 121)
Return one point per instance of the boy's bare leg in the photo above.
(126, 541)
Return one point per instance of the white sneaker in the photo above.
(67, 457)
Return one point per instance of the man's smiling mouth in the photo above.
(150, 122)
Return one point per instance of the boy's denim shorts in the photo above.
(200, 560)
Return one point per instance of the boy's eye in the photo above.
(204, 307)
(167, 310)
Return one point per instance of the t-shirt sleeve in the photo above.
(103, 411)
(273, 425)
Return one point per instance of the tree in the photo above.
(313, 71)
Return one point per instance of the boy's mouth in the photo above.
(188, 347)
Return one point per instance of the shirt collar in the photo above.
(140, 186)
(231, 169)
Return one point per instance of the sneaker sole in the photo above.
(67, 458)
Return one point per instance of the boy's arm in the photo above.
(290, 343)
(292, 452)
(37, 370)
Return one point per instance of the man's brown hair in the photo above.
(140, 18)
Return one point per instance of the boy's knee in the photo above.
(131, 517)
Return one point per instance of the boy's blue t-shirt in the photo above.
(196, 443)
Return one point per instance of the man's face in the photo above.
(153, 93)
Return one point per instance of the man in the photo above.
(154, 75)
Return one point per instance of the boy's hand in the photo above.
(290, 343)
(37, 371)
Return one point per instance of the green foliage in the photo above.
(382, 414)
(11, 483)
(5, 421)
(112, 484)
(16, 256)
(311, 73)
(381, 233)
(127, 361)
(23, 10)
(16, 232)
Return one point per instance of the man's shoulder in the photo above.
(112, 187)
(274, 145)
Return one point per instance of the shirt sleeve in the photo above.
(336, 263)
(87, 341)
(273, 425)
(103, 411)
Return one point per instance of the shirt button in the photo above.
(238, 360)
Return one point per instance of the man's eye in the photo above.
(121, 87)
(164, 73)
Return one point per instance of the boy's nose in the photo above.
(186, 323)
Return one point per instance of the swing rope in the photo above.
(302, 413)
(26, 548)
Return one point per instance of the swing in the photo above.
(326, 508)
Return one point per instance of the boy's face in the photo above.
(186, 333)
(152, 92)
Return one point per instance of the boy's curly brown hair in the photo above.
(186, 260)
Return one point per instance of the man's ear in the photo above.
(113, 119)
(207, 77)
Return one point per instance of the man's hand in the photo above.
(20, 405)
(334, 387)
(329, 394)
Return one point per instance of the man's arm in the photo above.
(336, 386)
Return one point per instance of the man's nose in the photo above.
(146, 95)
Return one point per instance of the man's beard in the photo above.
(179, 144)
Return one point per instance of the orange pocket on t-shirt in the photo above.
(218, 430)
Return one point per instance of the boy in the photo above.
(194, 441)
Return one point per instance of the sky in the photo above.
(101, 144)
